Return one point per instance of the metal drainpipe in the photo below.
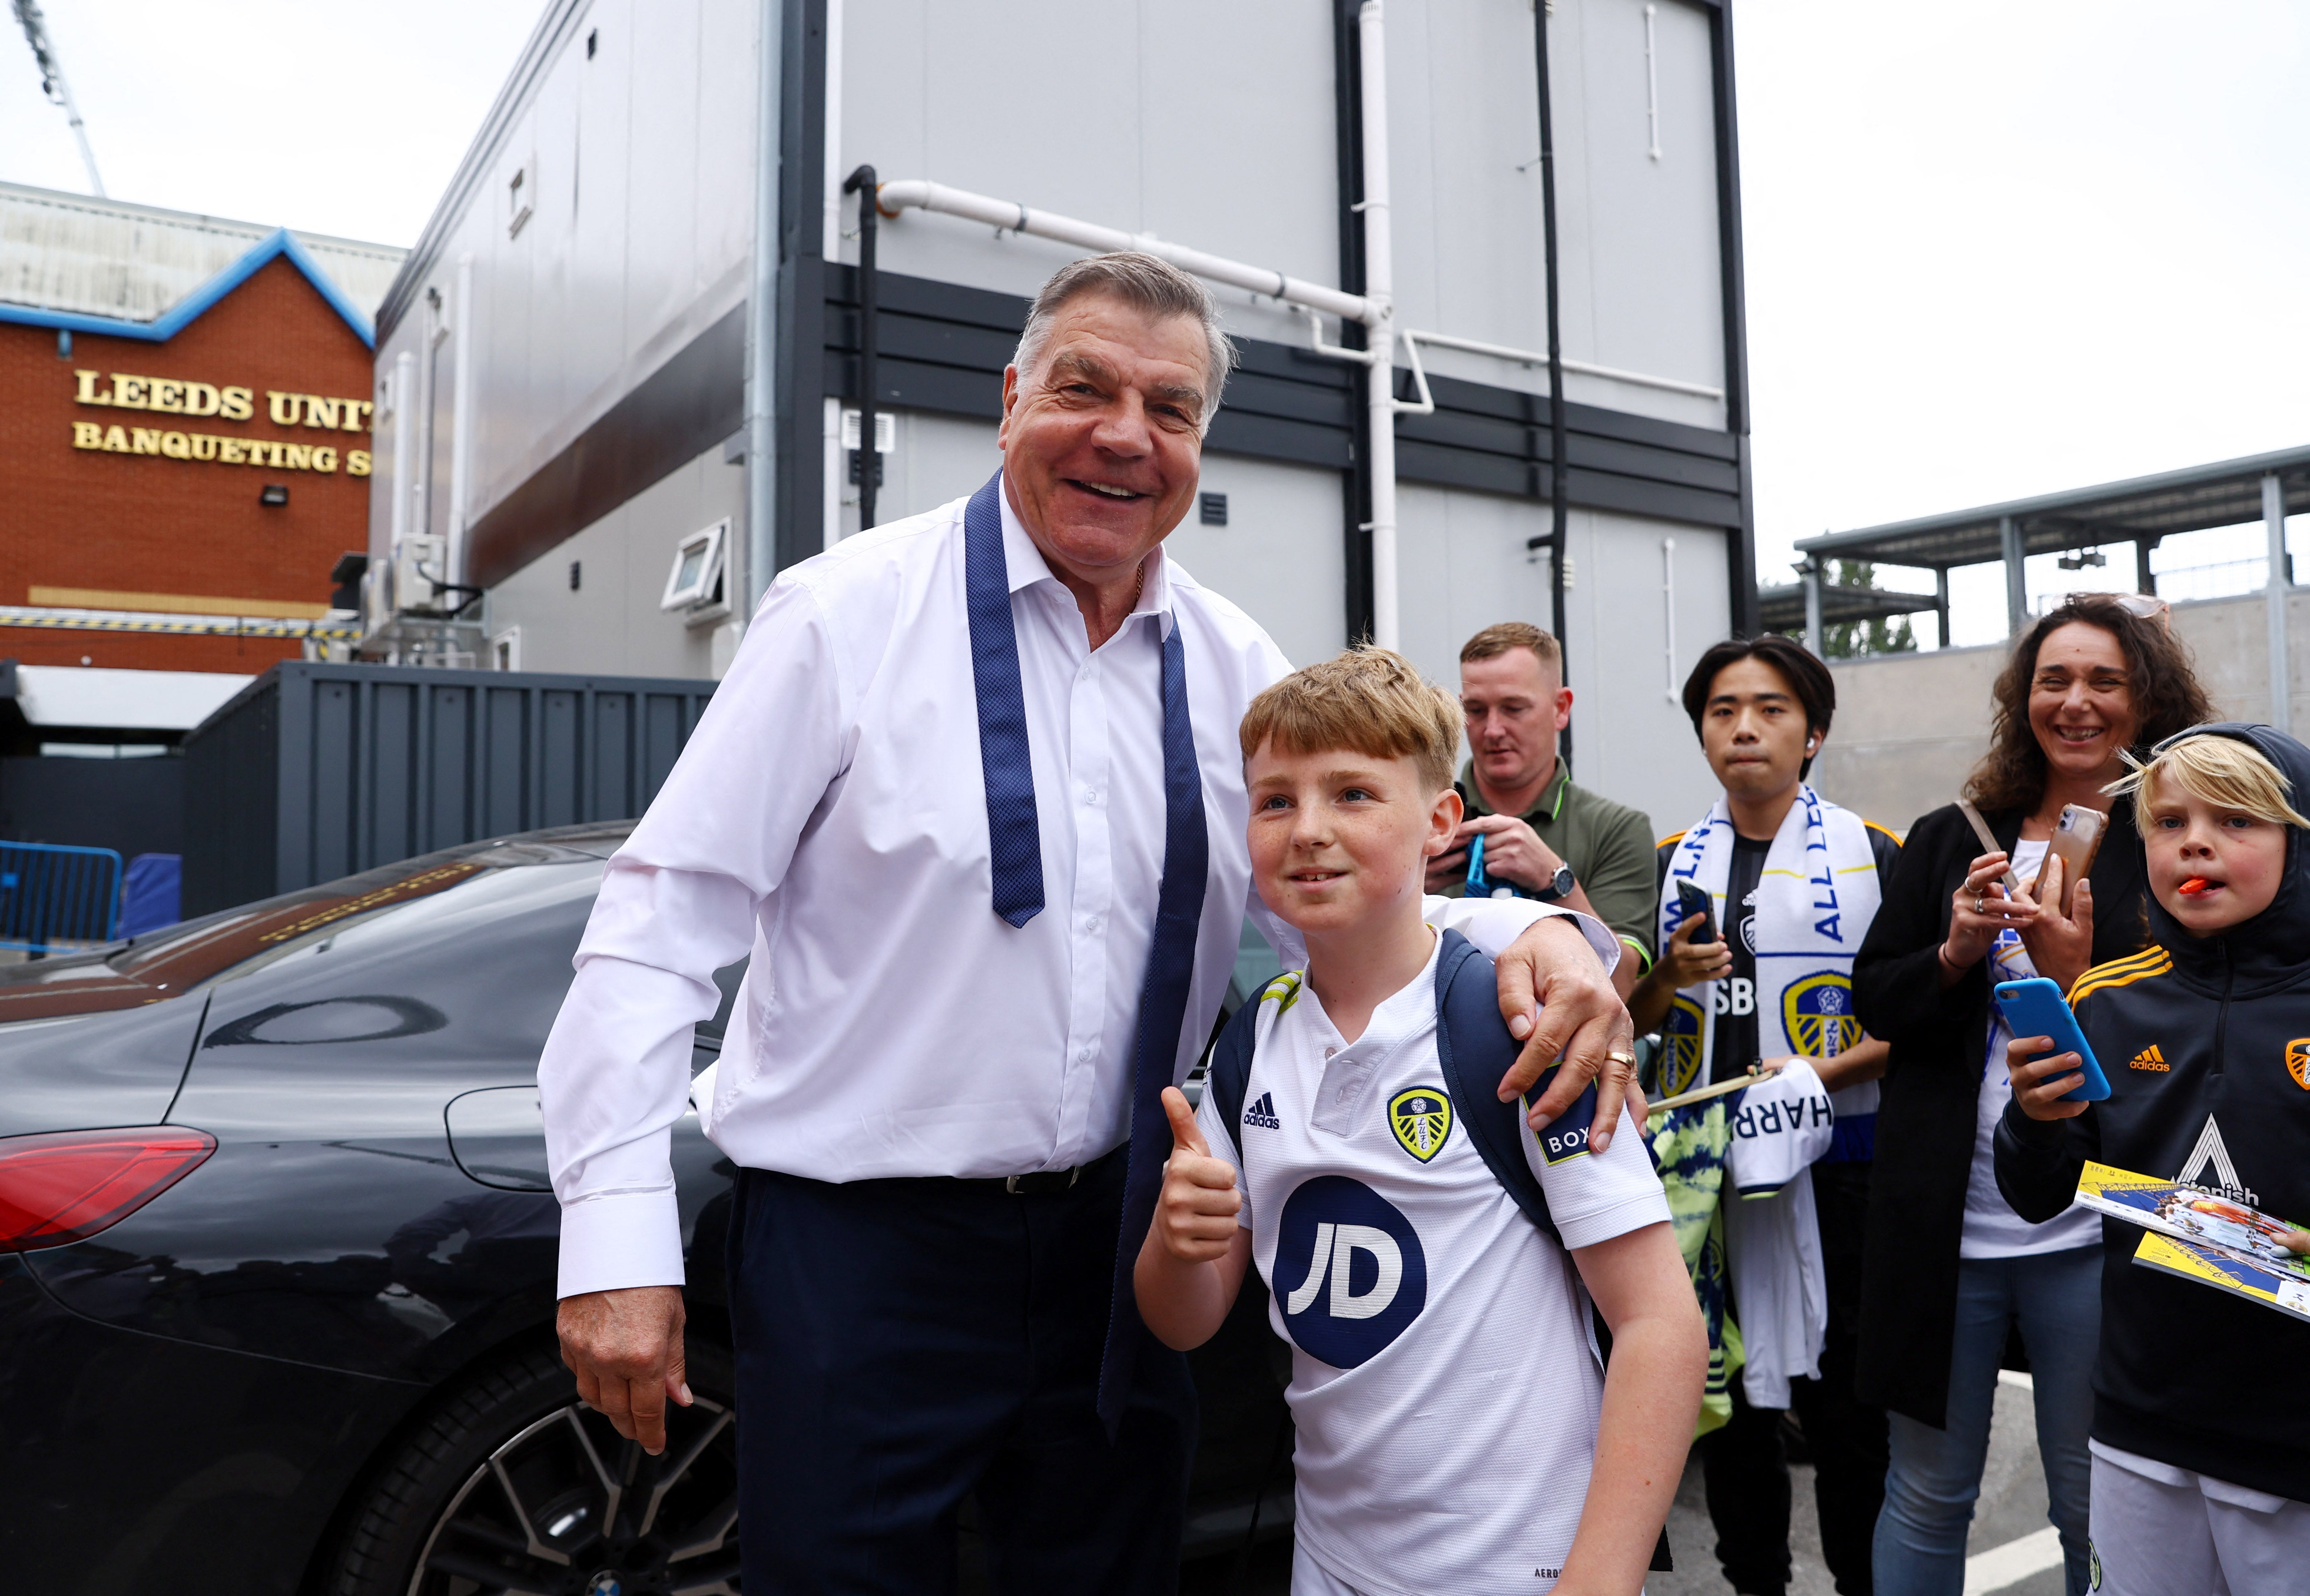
(867, 460)
(2276, 585)
(762, 310)
(1558, 505)
(1379, 336)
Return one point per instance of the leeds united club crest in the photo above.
(1422, 1119)
(1817, 1011)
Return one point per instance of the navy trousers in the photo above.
(905, 1343)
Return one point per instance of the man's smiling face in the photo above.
(1102, 444)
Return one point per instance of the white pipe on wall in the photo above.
(924, 196)
(1379, 293)
(404, 420)
(761, 311)
(831, 471)
(1528, 357)
(461, 420)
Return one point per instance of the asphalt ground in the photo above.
(2002, 1557)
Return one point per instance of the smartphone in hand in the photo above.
(2035, 1008)
(2077, 838)
(1692, 900)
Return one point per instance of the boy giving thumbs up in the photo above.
(1457, 1431)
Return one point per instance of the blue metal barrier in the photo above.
(50, 893)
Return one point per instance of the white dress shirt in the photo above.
(829, 817)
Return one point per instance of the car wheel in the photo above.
(512, 1484)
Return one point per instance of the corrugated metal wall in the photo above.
(316, 771)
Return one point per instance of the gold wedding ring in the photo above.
(1621, 1058)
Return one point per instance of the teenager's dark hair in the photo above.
(2167, 697)
(1807, 677)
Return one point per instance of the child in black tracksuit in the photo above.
(2201, 1436)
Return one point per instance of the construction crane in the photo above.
(53, 84)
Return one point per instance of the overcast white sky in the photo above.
(1993, 248)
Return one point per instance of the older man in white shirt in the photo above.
(970, 798)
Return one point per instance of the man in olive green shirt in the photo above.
(1543, 836)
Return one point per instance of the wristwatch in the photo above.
(1559, 885)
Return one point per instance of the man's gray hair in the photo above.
(1148, 284)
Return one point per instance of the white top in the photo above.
(1991, 1228)
(1445, 1386)
(1780, 1127)
(829, 817)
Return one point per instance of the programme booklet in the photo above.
(2202, 1235)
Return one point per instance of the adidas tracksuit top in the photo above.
(2206, 1042)
(1445, 1386)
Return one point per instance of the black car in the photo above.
(277, 1263)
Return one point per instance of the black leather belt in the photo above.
(1042, 1183)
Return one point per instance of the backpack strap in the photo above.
(1230, 1075)
(1473, 1045)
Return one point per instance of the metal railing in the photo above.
(52, 894)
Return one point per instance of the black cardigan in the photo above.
(1925, 1117)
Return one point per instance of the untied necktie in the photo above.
(1016, 859)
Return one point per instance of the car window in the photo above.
(167, 963)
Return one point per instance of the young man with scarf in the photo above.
(1793, 881)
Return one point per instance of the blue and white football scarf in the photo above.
(1015, 859)
(1815, 899)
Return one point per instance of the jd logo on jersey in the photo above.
(1817, 1013)
(1422, 1119)
(1350, 1274)
(2298, 1061)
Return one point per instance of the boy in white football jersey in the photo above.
(1457, 1432)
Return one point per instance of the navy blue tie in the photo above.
(1017, 859)
(1015, 845)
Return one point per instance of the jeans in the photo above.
(1935, 1474)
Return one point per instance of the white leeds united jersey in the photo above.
(1444, 1384)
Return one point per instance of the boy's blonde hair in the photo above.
(2223, 771)
(1372, 700)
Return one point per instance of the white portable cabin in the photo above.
(614, 399)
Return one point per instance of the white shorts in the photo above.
(2159, 1531)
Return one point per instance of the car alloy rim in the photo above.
(568, 1507)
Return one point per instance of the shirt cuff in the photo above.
(1649, 1207)
(619, 1240)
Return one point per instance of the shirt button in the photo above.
(1090, 794)
(1329, 1052)
(1090, 922)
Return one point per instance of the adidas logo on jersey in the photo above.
(1263, 1113)
(2149, 1058)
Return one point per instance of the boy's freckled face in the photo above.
(2211, 868)
(1338, 839)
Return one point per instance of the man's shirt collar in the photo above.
(1551, 806)
(1025, 564)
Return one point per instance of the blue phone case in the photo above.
(2035, 1008)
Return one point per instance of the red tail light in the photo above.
(63, 1188)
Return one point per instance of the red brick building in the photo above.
(185, 413)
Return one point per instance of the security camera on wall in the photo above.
(695, 586)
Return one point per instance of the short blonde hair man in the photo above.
(1373, 700)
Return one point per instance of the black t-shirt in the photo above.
(1735, 1042)
(1734, 1047)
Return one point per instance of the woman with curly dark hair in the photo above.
(1951, 1272)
